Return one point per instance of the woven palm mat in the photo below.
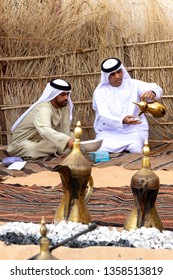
(161, 158)
(108, 206)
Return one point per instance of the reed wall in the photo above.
(45, 39)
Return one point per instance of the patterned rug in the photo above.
(108, 206)
(161, 158)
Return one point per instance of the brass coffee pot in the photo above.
(77, 184)
(145, 186)
(155, 108)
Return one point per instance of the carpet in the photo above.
(108, 206)
(161, 158)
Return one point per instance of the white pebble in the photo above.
(140, 238)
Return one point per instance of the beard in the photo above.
(63, 104)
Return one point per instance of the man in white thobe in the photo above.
(116, 116)
(44, 129)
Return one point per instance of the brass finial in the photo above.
(77, 135)
(78, 130)
(44, 243)
(43, 228)
(146, 151)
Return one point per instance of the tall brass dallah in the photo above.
(77, 184)
(145, 186)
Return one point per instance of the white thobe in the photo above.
(111, 105)
(44, 131)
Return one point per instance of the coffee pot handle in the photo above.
(90, 187)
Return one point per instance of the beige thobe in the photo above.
(44, 131)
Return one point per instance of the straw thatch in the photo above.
(44, 39)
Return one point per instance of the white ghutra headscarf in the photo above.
(108, 66)
(53, 89)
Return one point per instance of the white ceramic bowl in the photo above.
(91, 145)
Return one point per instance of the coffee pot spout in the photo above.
(143, 106)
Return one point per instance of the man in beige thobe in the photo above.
(44, 129)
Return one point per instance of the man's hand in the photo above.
(130, 119)
(148, 94)
(70, 143)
